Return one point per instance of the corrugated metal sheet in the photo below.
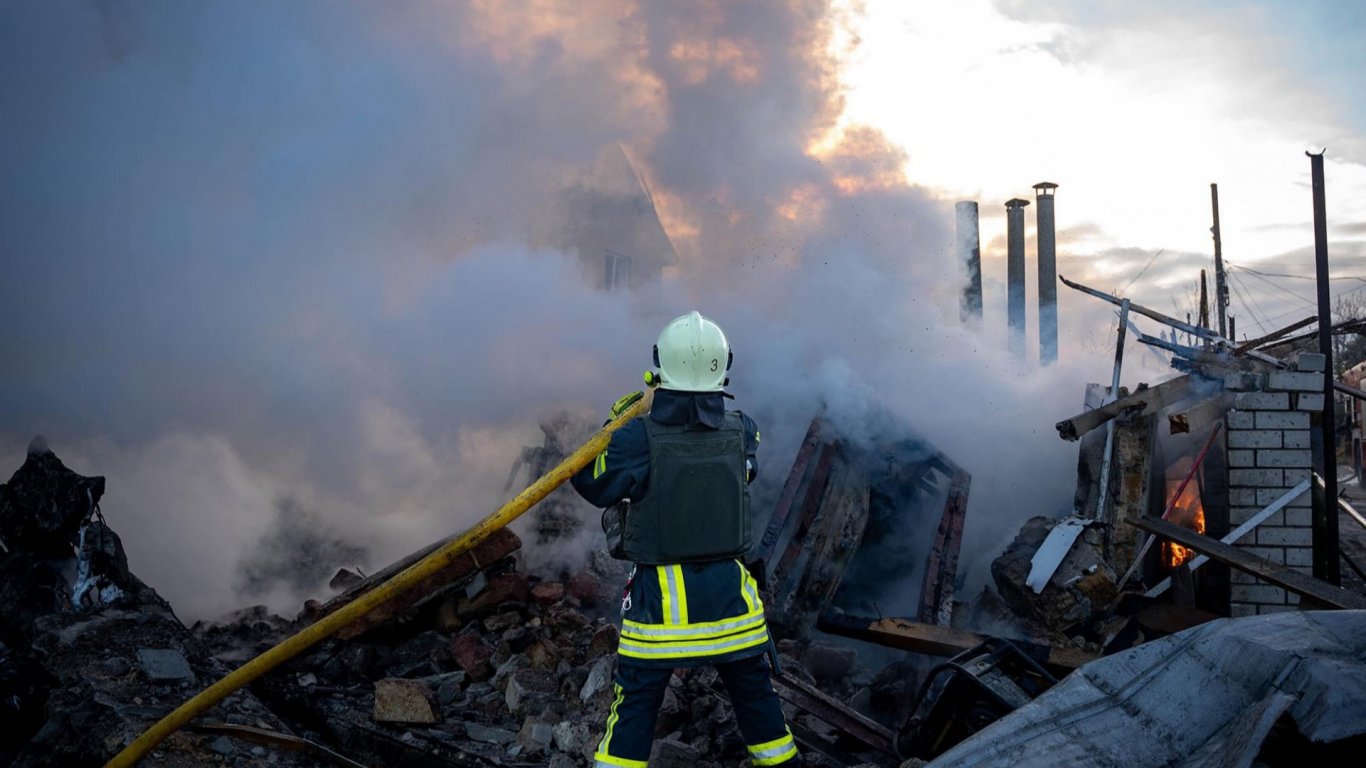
(1201, 698)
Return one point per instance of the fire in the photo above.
(1188, 513)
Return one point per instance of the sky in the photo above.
(1134, 109)
(269, 263)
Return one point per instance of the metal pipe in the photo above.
(1048, 272)
(1102, 514)
(1220, 281)
(969, 260)
(1015, 275)
(1325, 519)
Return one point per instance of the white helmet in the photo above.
(692, 354)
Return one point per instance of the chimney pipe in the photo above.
(1015, 275)
(1048, 273)
(969, 261)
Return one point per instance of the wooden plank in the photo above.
(1141, 403)
(1253, 344)
(810, 504)
(810, 699)
(939, 641)
(1283, 577)
(796, 478)
(1195, 330)
(941, 569)
(498, 545)
(1201, 415)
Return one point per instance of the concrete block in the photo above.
(165, 665)
(1243, 382)
(1267, 496)
(1265, 609)
(1245, 497)
(1256, 593)
(1256, 478)
(1286, 420)
(1241, 419)
(1295, 381)
(1283, 458)
(1240, 610)
(1243, 458)
(1239, 515)
(1285, 537)
(1295, 438)
(1291, 598)
(398, 700)
(1274, 554)
(1236, 576)
(1308, 361)
(1262, 401)
(1299, 557)
(1308, 402)
(1299, 516)
(1293, 477)
(1254, 438)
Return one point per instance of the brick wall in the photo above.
(1268, 454)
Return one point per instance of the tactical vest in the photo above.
(696, 507)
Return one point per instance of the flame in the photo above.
(1188, 513)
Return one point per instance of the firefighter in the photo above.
(674, 485)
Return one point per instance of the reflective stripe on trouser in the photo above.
(640, 691)
(677, 637)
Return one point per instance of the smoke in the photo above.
(317, 252)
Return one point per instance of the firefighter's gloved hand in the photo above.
(625, 402)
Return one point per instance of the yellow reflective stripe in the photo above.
(601, 759)
(748, 589)
(600, 465)
(682, 593)
(773, 752)
(756, 435)
(687, 648)
(612, 717)
(668, 613)
(639, 631)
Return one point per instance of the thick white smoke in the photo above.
(301, 257)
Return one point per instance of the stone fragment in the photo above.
(489, 735)
(604, 641)
(547, 593)
(571, 737)
(829, 663)
(536, 735)
(404, 701)
(164, 665)
(502, 621)
(528, 687)
(472, 656)
(44, 503)
(599, 678)
(223, 746)
(668, 753)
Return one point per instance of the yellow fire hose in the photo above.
(402, 582)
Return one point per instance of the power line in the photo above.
(1292, 277)
(1247, 305)
(1159, 252)
(1282, 289)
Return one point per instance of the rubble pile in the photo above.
(89, 655)
(498, 667)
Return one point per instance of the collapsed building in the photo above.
(1191, 548)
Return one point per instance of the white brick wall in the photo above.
(1269, 453)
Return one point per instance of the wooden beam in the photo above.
(1281, 576)
(1141, 403)
(1194, 330)
(939, 641)
(808, 698)
(1201, 415)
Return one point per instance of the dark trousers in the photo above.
(639, 691)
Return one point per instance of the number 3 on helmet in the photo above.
(689, 354)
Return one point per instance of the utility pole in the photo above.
(1204, 302)
(1326, 565)
(1220, 282)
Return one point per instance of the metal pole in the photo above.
(1220, 283)
(969, 260)
(1326, 516)
(1015, 275)
(1102, 514)
(1204, 302)
(1046, 239)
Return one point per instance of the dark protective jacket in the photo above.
(678, 614)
